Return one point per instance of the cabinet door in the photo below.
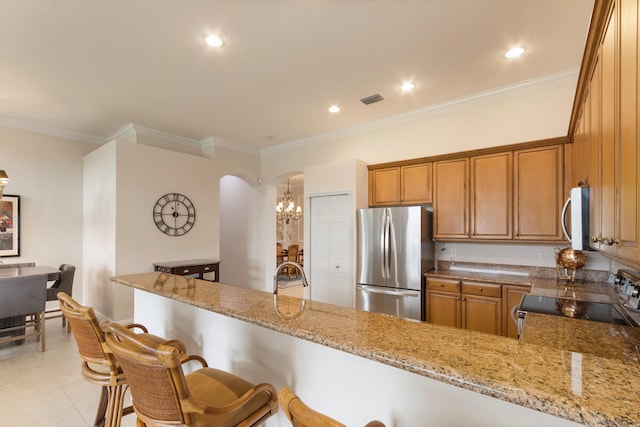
(490, 198)
(538, 195)
(511, 296)
(443, 308)
(608, 135)
(384, 185)
(451, 199)
(581, 147)
(595, 158)
(482, 314)
(416, 185)
(627, 197)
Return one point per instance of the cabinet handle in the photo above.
(596, 239)
(608, 241)
(480, 289)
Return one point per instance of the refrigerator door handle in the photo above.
(385, 291)
(385, 247)
(392, 258)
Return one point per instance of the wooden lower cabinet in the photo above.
(443, 302)
(470, 305)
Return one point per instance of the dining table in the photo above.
(23, 293)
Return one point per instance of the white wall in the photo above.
(99, 225)
(46, 172)
(241, 244)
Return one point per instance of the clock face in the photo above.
(174, 214)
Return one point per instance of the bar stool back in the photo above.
(164, 396)
(99, 366)
(301, 415)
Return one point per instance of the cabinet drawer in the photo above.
(484, 289)
(443, 285)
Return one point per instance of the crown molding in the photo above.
(132, 129)
(11, 122)
(213, 141)
(551, 81)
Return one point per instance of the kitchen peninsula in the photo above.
(394, 370)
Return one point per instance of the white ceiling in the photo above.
(91, 67)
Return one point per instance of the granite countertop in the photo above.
(572, 371)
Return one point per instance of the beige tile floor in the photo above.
(46, 388)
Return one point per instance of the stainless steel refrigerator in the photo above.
(395, 248)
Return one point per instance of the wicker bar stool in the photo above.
(164, 396)
(99, 366)
(301, 415)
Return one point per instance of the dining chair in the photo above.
(300, 415)
(292, 255)
(64, 283)
(279, 254)
(164, 396)
(22, 306)
(99, 366)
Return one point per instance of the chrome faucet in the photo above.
(279, 268)
(305, 284)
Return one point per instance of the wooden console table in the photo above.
(189, 267)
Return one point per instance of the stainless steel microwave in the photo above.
(578, 205)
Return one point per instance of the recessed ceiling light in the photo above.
(334, 109)
(268, 138)
(213, 40)
(514, 53)
(407, 86)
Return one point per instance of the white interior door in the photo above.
(331, 258)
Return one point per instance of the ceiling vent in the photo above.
(371, 99)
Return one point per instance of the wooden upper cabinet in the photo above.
(416, 185)
(627, 221)
(595, 154)
(538, 193)
(400, 185)
(384, 186)
(607, 136)
(581, 149)
(491, 196)
(451, 199)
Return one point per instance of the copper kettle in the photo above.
(570, 258)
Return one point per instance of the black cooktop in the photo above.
(586, 310)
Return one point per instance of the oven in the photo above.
(626, 313)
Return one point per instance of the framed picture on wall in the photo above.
(9, 225)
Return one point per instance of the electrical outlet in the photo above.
(542, 256)
(453, 251)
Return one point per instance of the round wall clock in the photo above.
(174, 214)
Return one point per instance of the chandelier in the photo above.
(286, 210)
